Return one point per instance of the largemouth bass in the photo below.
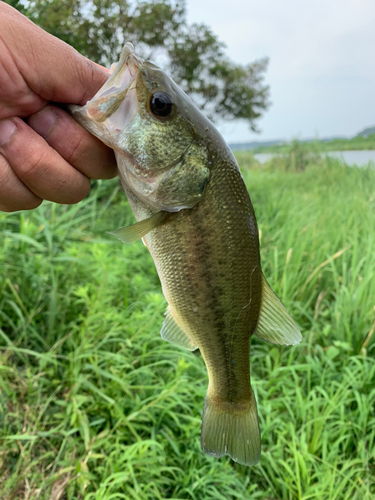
(196, 218)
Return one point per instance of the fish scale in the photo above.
(218, 275)
(196, 218)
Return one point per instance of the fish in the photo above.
(195, 216)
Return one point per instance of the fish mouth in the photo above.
(115, 105)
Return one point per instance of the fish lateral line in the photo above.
(172, 159)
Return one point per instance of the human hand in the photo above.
(44, 152)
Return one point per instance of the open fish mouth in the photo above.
(115, 105)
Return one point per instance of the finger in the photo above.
(16, 99)
(52, 69)
(77, 146)
(14, 195)
(40, 167)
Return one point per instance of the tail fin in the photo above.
(231, 429)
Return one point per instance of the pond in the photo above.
(359, 158)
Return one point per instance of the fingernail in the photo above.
(44, 122)
(7, 129)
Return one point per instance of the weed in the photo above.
(95, 405)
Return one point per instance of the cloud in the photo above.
(322, 67)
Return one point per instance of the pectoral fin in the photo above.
(275, 324)
(136, 231)
(171, 332)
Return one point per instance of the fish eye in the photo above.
(161, 104)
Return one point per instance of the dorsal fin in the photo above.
(275, 324)
(136, 231)
(173, 333)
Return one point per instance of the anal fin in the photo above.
(173, 333)
(136, 231)
(275, 324)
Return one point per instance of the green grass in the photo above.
(354, 144)
(94, 405)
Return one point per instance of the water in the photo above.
(264, 157)
(359, 158)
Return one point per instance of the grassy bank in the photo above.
(94, 405)
(354, 144)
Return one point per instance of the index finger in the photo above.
(52, 69)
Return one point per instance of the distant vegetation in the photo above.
(94, 405)
(295, 156)
(367, 131)
(356, 143)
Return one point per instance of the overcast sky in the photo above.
(322, 62)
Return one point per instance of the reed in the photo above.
(95, 405)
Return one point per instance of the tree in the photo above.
(192, 54)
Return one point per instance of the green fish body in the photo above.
(196, 218)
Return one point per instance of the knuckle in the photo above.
(6, 176)
(35, 160)
(76, 150)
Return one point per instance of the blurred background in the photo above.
(93, 403)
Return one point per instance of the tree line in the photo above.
(191, 53)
